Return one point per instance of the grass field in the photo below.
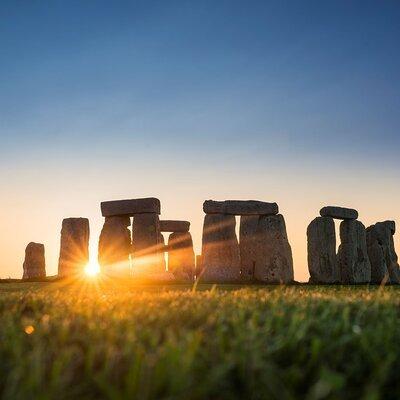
(114, 340)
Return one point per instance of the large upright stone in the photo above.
(248, 245)
(115, 246)
(321, 246)
(130, 207)
(146, 245)
(220, 249)
(34, 264)
(353, 261)
(382, 254)
(339, 212)
(162, 249)
(240, 207)
(174, 226)
(74, 247)
(181, 261)
(274, 262)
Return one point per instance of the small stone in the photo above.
(181, 261)
(115, 246)
(130, 207)
(34, 264)
(321, 246)
(339, 212)
(146, 244)
(74, 247)
(220, 249)
(240, 207)
(274, 262)
(174, 226)
(353, 260)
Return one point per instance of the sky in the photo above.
(286, 101)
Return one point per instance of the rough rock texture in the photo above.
(339, 212)
(199, 266)
(74, 247)
(220, 249)
(382, 254)
(274, 262)
(352, 255)
(115, 246)
(174, 226)
(248, 245)
(146, 244)
(240, 207)
(34, 264)
(130, 207)
(321, 246)
(181, 261)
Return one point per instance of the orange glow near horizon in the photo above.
(92, 269)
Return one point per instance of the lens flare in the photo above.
(92, 269)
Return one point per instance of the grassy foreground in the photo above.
(109, 340)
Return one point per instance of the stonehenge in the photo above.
(130, 207)
(351, 264)
(263, 254)
(174, 226)
(74, 247)
(34, 264)
(382, 254)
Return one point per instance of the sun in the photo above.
(92, 269)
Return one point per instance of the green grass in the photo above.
(116, 341)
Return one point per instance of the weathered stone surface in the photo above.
(220, 249)
(339, 212)
(240, 207)
(74, 247)
(321, 246)
(248, 245)
(382, 254)
(274, 262)
(34, 264)
(130, 207)
(146, 244)
(174, 226)
(181, 261)
(353, 261)
(115, 246)
(199, 266)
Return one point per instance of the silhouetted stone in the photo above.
(274, 262)
(74, 247)
(174, 226)
(199, 266)
(146, 244)
(382, 254)
(248, 245)
(181, 260)
(353, 261)
(115, 246)
(240, 207)
(34, 264)
(130, 207)
(339, 212)
(321, 246)
(220, 249)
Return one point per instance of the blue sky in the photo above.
(209, 91)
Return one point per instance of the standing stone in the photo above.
(115, 246)
(321, 246)
(220, 249)
(34, 264)
(248, 245)
(181, 260)
(74, 247)
(353, 261)
(162, 250)
(146, 245)
(274, 262)
(382, 254)
(199, 267)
